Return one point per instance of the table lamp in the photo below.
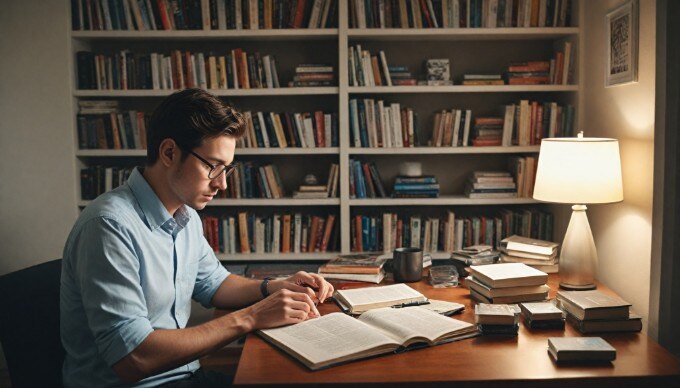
(578, 171)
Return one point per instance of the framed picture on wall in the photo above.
(621, 26)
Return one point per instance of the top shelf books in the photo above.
(459, 13)
(150, 15)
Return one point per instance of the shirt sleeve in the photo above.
(107, 272)
(211, 273)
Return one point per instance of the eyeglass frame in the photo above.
(228, 168)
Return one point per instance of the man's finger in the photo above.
(302, 297)
(323, 287)
(305, 290)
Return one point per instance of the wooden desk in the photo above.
(517, 361)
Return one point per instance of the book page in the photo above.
(328, 338)
(405, 323)
(373, 295)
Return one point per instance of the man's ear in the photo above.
(168, 151)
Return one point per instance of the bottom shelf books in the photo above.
(338, 338)
(447, 233)
(276, 233)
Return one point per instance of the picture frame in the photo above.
(621, 26)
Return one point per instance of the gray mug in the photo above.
(407, 264)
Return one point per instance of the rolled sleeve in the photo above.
(209, 277)
(112, 295)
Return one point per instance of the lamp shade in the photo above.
(579, 170)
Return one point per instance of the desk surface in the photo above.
(523, 359)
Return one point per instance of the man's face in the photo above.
(189, 178)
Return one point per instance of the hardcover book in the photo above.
(338, 338)
(587, 305)
(360, 300)
(580, 349)
(508, 275)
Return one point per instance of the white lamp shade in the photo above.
(579, 171)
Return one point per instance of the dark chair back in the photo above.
(29, 325)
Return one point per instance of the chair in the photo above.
(29, 325)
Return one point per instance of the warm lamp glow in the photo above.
(579, 171)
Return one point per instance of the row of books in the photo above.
(364, 180)
(459, 13)
(251, 180)
(113, 131)
(96, 180)
(146, 15)
(372, 70)
(277, 233)
(445, 234)
(557, 71)
(297, 130)
(527, 122)
(378, 124)
(451, 128)
(523, 169)
(176, 70)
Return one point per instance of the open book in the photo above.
(336, 338)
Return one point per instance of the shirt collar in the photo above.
(154, 211)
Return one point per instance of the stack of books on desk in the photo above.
(507, 283)
(539, 254)
(356, 267)
(594, 312)
(542, 315)
(491, 184)
(497, 318)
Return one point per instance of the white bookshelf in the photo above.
(481, 49)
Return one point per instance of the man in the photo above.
(137, 256)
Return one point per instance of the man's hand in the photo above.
(283, 307)
(309, 283)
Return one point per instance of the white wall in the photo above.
(623, 231)
(37, 167)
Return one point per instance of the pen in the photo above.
(398, 306)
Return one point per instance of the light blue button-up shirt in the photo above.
(129, 267)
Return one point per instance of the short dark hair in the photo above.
(189, 117)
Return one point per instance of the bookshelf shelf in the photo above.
(457, 34)
(239, 151)
(443, 150)
(229, 202)
(462, 89)
(454, 200)
(275, 202)
(258, 35)
(111, 153)
(313, 256)
(311, 91)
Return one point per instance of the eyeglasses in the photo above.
(216, 171)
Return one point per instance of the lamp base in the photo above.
(578, 257)
(578, 287)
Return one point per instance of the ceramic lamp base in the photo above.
(578, 258)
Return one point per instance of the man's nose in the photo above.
(220, 182)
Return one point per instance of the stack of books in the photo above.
(473, 255)
(425, 186)
(595, 312)
(311, 192)
(539, 254)
(312, 74)
(580, 349)
(529, 73)
(401, 76)
(497, 318)
(507, 283)
(488, 131)
(356, 267)
(491, 184)
(483, 79)
(542, 315)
